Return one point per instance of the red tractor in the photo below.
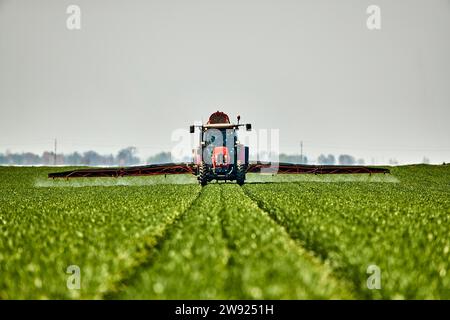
(220, 156)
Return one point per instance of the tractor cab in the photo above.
(218, 147)
(220, 156)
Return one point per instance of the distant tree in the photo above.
(426, 160)
(303, 159)
(16, 158)
(322, 159)
(283, 157)
(74, 159)
(292, 158)
(346, 159)
(162, 157)
(360, 161)
(126, 157)
(326, 160)
(331, 159)
(92, 158)
(30, 158)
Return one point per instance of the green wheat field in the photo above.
(277, 237)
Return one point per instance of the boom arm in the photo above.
(149, 170)
(293, 168)
(185, 168)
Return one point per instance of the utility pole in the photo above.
(54, 156)
(301, 152)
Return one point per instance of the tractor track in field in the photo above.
(230, 245)
(131, 275)
(263, 208)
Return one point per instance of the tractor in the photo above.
(220, 155)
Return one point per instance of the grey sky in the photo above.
(137, 70)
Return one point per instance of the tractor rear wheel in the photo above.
(240, 174)
(202, 174)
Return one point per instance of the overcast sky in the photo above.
(138, 70)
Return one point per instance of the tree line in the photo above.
(343, 159)
(125, 157)
(128, 157)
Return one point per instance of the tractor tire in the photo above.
(240, 174)
(202, 175)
